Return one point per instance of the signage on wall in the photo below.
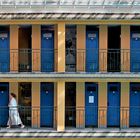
(47, 35)
(91, 35)
(91, 99)
(136, 36)
(3, 35)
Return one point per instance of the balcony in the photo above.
(80, 60)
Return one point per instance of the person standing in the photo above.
(14, 118)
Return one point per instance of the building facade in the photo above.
(71, 70)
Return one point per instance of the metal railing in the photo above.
(75, 117)
(77, 60)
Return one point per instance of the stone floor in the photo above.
(69, 133)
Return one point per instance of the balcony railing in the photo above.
(77, 60)
(75, 117)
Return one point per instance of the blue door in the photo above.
(47, 104)
(91, 104)
(4, 100)
(113, 105)
(135, 52)
(134, 104)
(4, 51)
(47, 51)
(92, 51)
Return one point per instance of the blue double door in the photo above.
(135, 52)
(4, 51)
(47, 50)
(4, 100)
(47, 104)
(134, 119)
(92, 51)
(91, 104)
(113, 105)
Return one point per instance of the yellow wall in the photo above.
(36, 46)
(125, 46)
(61, 47)
(81, 45)
(14, 48)
(61, 106)
(125, 87)
(80, 104)
(102, 104)
(103, 37)
(35, 104)
(13, 88)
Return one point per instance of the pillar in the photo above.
(80, 105)
(36, 46)
(60, 106)
(81, 46)
(103, 37)
(14, 48)
(13, 88)
(36, 104)
(102, 104)
(61, 47)
(125, 48)
(125, 86)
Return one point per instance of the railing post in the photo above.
(36, 46)
(60, 106)
(103, 30)
(102, 111)
(124, 105)
(125, 48)
(14, 48)
(80, 105)
(81, 46)
(36, 104)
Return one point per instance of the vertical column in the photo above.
(81, 43)
(35, 104)
(36, 46)
(61, 47)
(125, 48)
(55, 105)
(60, 106)
(102, 104)
(103, 37)
(80, 105)
(14, 48)
(13, 88)
(125, 104)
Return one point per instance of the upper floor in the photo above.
(69, 48)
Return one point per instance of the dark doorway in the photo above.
(24, 100)
(70, 104)
(114, 41)
(25, 45)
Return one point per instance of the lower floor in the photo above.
(63, 104)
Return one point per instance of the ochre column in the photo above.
(35, 104)
(13, 88)
(125, 87)
(36, 46)
(81, 43)
(14, 48)
(125, 48)
(102, 104)
(103, 37)
(80, 105)
(61, 47)
(60, 106)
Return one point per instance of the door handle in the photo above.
(107, 103)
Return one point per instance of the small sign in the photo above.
(91, 36)
(47, 35)
(91, 99)
(136, 36)
(3, 35)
